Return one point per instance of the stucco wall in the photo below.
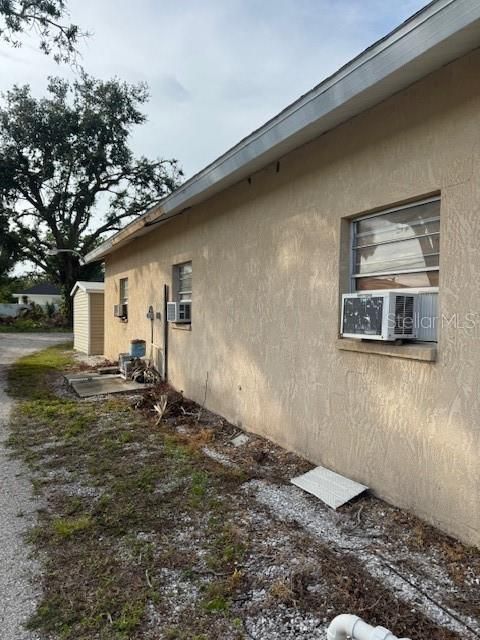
(80, 321)
(267, 274)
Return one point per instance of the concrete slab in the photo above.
(86, 375)
(101, 385)
(330, 487)
(79, 377)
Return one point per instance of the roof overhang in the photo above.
(438, 34)
(88, 287)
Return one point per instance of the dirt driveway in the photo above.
(17, 508)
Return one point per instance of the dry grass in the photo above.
(144, 537)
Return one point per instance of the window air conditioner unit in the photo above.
(179, 312)
(379, 315)
(120, 311)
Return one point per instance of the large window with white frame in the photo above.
(397, 248)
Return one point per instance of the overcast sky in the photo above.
(217, 69)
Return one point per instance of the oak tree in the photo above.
(68, 176)
(48, 19)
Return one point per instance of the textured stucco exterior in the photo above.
(270, 260)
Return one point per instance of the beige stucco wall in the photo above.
(97, 323)
(80, 321)
(267, 274)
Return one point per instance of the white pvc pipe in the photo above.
(347, 626)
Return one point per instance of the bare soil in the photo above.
(163, 531)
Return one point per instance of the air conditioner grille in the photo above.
(171, 311)
(404, 315)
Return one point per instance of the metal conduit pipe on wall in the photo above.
(348, 626)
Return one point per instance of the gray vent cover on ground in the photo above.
(330, 487)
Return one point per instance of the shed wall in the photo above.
(97, 323)
(80, 321)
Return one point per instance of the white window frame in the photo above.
(121, 298)
(177, 282)
(354, 276)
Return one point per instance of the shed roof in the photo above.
(88, 287)
(438, 34)
(42, 289)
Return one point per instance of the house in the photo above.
(41, 294)
(88, 317)
(368, 182)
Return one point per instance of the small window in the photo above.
(123, 291)
(184, 282)
(182, 291)
(398, 248)
(123, 299)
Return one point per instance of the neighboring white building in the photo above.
(42, 294)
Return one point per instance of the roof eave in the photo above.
(435, 36)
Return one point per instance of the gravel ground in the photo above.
(17, 506)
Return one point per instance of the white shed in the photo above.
(88, 317)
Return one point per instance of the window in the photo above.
(182, 292)
(398, 248)
(123, 290)
(184, 282)
(124, 293)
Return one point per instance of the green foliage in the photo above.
(65, 159)
(22, 325)
(199, 486)
(7, 288)
(25, 325)
(9, 247)
(36, 311)
(217, 604)
(49, 309)
(10, 285)
(68, 527)
(46, 19)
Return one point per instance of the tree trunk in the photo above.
(69, 273)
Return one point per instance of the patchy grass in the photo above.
(29, 377)
(68, 527)
(100, 575)
(143, 537)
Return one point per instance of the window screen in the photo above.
(123, 291)
(398, 248)
(184, 280)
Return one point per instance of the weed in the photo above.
(217, 604)
(199, 486)
(68, 527)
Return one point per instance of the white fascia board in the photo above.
(435, 36)
(88, 287)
